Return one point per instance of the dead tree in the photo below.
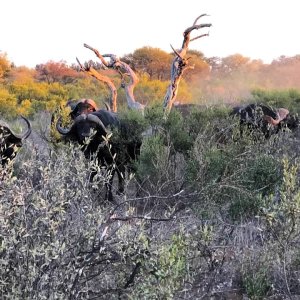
(179, 65)
(102, 78)
(124, 70)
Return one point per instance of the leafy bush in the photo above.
(255, 280)
(8, 104)
(214, 216)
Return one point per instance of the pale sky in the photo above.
(37, 31)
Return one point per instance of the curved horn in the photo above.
(107, 106)
(97, 120)
(60, 129)
(26, 134)
(65, 131)
(73, 103)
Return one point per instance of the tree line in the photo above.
(231, 79)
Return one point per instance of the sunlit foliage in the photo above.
(5, 65)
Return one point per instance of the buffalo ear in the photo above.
(92, 103)
(73, 104)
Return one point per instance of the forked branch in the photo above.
(102, 78)
(123, 69)
(180, 64)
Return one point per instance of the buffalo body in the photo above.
(115, 156)
(263, 118)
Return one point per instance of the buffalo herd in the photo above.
(264, 119)
(91, 128)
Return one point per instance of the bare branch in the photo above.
(102, 78)
(180, 64)
(203, 15)
(124, 69)
(118, 65)
(176, 52)
(104, 62)
(198, 37)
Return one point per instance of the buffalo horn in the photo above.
(65, 131)
(271, 120)
(107, 106)
(96, 120)
(26, 134)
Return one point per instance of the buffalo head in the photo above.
(86, 124)
(77, 108)
(264, 118)
(11, 142)
(82, 106)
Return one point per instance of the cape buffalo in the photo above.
(115, 156)
(11, 142)
(82, 106)
(265, 119)
(78, 107)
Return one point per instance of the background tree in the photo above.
(56, 72)
(153, 61)
(5, 65)
(21, 75)
(201, 67)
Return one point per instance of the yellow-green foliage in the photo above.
(25, 108)
(29, 97)
(163, 271)
(8, 103)
(88, 88)
(5, 65)
(64, 113)
(282, 210)
(151, 92)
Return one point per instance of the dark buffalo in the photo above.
(77, 107)
(82, 106)
(265, 119)
(116, 156)
(11, 142)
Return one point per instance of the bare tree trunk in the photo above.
(124, 69)
(121, 67)
(180, 64)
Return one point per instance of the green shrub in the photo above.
(154, 159)
(177, 134)
(255, 280)
(163, 272)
